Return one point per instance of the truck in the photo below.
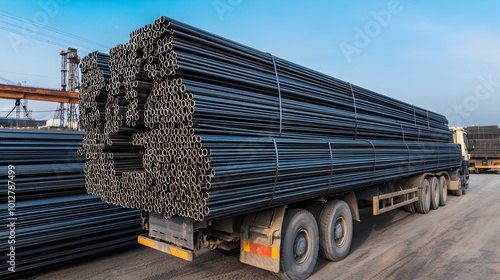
(486, 156)
(286, 239)
(460, 136)
(230, 148)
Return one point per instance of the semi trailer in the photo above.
(486, 156)
(287, 239)
(230, 148)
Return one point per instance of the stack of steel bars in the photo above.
(487, 139)
(199, 126)
(54, 220)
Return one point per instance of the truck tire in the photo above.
(459, 191)
(299, 244)
(335, 230)
(443, 190)
(315, 208)
(423, 205)
(434, 183)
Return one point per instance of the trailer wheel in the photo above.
(434, 183)
(315, 208)
(299, 244)
(443, 191)
(459, 191)
(423, 205)
(335, 230)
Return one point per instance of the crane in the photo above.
(70, 78)
(18, 104)
(9, 82)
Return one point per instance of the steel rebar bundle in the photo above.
(487, 139)
(55, 221)
(199, 126)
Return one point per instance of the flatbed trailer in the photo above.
(288, 239)
(478, 165)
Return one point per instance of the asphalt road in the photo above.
(458, 241)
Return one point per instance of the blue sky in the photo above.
(440, 55)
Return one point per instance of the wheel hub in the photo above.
(300, 247)
(339, 230)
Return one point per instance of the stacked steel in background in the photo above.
(55, 220)
(487, 141)
(186, 123)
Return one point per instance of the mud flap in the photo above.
(261, 239)
(175, 251)
(453, 185)
(454, 180)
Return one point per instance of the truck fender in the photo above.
(350, 199)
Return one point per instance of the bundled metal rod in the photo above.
(222, 129)
(50, 220)
(487, 140)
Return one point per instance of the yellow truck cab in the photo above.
(459, 135)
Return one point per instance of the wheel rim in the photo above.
(301, 246)
(444, 189)
(459, 185)
(339, 231)
(436, 191)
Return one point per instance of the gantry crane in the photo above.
(18, 104)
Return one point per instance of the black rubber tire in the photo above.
(459, 191)
(423, 205)
(434, 192)
(410, 208)
(315, 208)
(335, 214)
(298, 223)
(443, 191)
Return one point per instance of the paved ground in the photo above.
(458, 241)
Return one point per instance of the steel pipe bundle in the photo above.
(207, 128)
(55, 220)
